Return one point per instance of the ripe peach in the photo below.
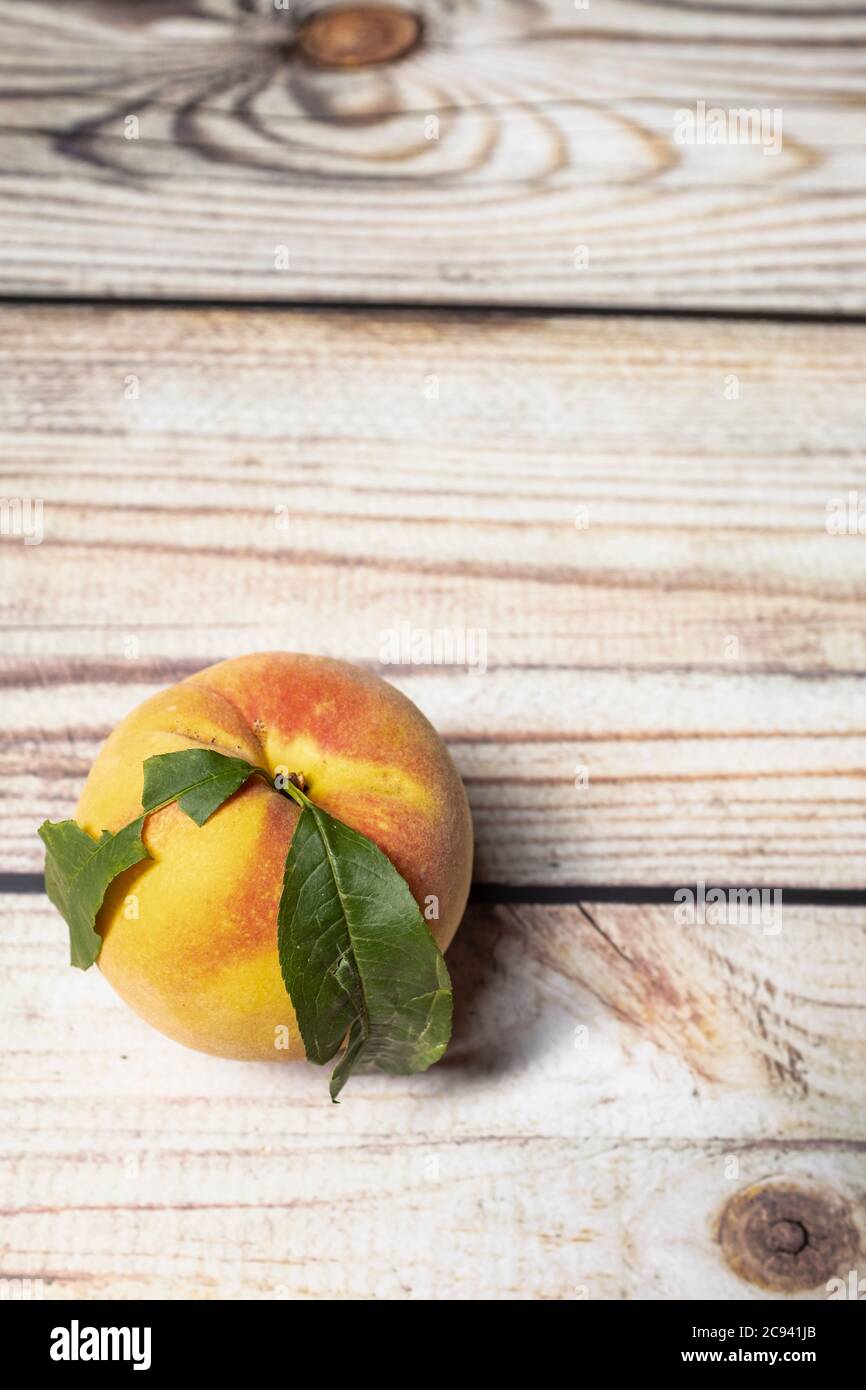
(190, 937)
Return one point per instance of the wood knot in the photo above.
(358, 36)
(787, 1238)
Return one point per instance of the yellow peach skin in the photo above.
(190, 936)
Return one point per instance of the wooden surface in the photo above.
(694, 646)
(590, 1122)
(631, 507)
(555, 130)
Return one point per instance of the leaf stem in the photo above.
(292, 791)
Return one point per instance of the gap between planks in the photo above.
(467, 309)
(564, 894)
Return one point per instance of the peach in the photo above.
(190, 936)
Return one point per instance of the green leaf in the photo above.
(357, 956)
(198, 779)
(78, 870)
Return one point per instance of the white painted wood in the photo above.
(555, 129)
(573, 777)
(693, 653)
(535, 1162)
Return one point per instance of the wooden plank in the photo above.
(529, 1164)
(574, 777)
(473, 171)
(672, 688)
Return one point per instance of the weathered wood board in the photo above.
(616, 779)
(523, 153)
(673, 641)
(588, 1127)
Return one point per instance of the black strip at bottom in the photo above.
(197, 1339)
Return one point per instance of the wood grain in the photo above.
(631, 513)
(472, 171)
(756, 781)
(693, 652)
(611, 1085)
